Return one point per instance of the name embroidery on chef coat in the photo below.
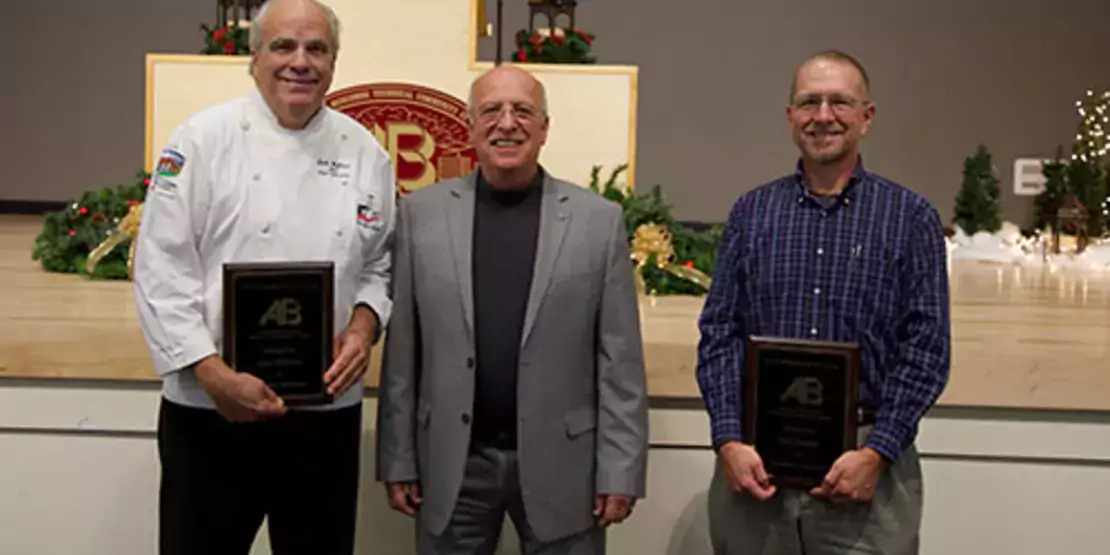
(333, 168)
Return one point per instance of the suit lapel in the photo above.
(554, 219)
(460, 218)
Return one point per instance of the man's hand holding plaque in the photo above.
(800, 412)
(351, 351)
(744, 471)
(239, 397)
(278, 321)
(853, 477)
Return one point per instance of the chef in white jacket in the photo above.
(274, 176)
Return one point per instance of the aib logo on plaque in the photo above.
(283, 312)
(423, 129)
(805, 390)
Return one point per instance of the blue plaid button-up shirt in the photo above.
(868, 266)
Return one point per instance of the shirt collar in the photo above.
(850, 190)
(535, 184)
(267, 115)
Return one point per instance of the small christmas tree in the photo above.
(1083, 174)
(1086, 175)
(1087, 182)
(1091, 143)
(977, 203)
(1055, 189)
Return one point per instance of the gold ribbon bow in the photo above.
(654, 240)
(127, 229)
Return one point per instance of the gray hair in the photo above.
(474, 85)
(256, 24)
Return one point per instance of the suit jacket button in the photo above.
(466, 419)
(470, 362)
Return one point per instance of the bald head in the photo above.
(298, 9)
(833, 57)
(508, 125)
(507, 75)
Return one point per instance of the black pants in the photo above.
(220, 479)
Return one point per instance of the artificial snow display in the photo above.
(1008, 246)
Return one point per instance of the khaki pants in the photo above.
(793, 522)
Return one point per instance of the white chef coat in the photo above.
(233, 185)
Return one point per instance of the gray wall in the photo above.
(714, 78)
(7, 100)
(946, 74)
(76, 77)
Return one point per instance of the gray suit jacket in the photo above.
(582, 400)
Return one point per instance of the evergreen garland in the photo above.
(693, 248)
(565, 46)
(69, 235)
(229, 40)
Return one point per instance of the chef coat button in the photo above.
(339, 233)
(266, 229)
(343, 136)
(257, 176)
(246, 125)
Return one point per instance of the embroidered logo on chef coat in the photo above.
(171, 163)
(333, 168)
(169, 166)
(368, 216)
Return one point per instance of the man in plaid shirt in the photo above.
(832, 253)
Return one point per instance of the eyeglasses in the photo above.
(519, 111)
(839, 104)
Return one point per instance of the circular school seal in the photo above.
(424, 130)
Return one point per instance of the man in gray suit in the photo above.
(513, 376)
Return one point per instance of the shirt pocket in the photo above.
(870, 278)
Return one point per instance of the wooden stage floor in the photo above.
(1023, 338)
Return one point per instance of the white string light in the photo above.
(1093, 136)
(1093, 113)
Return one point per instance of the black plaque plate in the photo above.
(278, 322)
(800, 407)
